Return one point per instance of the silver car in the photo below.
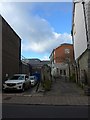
(17, 82)
(33, 80)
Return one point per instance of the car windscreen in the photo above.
(32, 78)
(17, 78)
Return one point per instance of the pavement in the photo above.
(62, 93)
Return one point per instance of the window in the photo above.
(60, 72)
(57, 70)
(67, 51)
(64, 72)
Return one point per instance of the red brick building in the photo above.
(63, 52)
(62, 59)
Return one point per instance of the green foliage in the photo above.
(47, 85)
(72, 78)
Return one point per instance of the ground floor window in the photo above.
(62, 72)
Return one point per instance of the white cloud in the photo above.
(47, 44)
(45, 58)
(36, 0)
(36, 32)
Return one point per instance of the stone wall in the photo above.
(83, 63)
(89, 66)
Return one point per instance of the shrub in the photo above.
(47, 85)
(72, 78)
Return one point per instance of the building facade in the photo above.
(25, 68)
(61, 59)
(0, 55)
(36, 64)
(81, 40)
(64, 52)
(11, 50)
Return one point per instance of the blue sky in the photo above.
(59, 14)
(41, 26)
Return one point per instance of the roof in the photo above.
(45, 62)
(60, 46)
(24, 63)
(64, 44)
(32, 61)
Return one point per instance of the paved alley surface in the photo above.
(61, 93)
(65, 88)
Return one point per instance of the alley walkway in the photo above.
(60, 87)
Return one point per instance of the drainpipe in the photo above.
(85, 20)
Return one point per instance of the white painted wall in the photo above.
(60, 66)
(79, 33)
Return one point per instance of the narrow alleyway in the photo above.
(61, 87)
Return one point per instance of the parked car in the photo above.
(17, 82)
(33, 80)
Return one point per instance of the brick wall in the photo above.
(60, 55)
(83, 62)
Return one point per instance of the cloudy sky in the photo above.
(42, 26)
